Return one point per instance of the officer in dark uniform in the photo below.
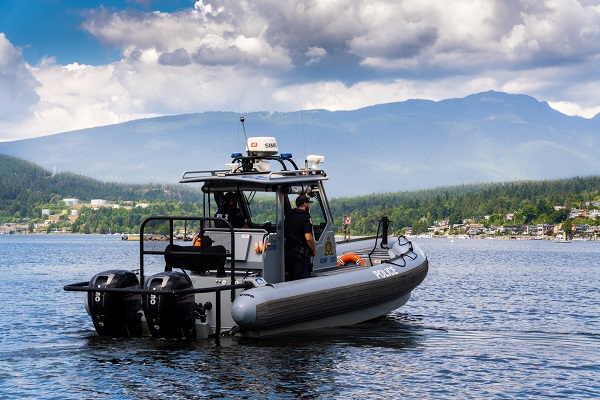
(299, 240)
(230, 211)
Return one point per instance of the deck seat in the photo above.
(199, 259)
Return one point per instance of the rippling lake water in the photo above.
(493, 319)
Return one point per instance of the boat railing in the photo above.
(382, 229)
(246, 163)
(409, 252)
(202, 174)
(169, 250)
(299, 172)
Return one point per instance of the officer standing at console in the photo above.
(299, 240)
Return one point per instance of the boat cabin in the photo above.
(265, 186)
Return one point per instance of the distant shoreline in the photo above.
(451, 237)
(513, 237)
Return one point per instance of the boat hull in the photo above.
(337, 320)
(339, 299)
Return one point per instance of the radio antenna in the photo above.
(237, 126)
(245, 136)
(303, 133)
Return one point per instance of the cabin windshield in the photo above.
(257, 209)
(261, 208)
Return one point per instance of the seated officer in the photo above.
(229, 210)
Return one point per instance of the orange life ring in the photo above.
(197, 241)
(352, 258)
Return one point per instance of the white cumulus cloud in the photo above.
(17, 84)
(333, 54)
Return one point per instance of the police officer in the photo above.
(229, 211)
(299, 240)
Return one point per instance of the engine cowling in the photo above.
(115, 314)
(170, 316)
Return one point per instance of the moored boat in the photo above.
(232, 280)
(562, 238)
(130, 236)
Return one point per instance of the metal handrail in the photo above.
(85, 287)
(201, 233)
(202, 174)
(308, 173)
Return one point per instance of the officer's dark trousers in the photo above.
(297, 262)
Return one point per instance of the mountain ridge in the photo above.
(411, 145)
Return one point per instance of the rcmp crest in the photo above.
(328, 247)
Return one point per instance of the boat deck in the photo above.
(338, 269)
(376, 257)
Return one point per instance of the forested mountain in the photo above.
(410, 145)
(532, 202)
(26, 188)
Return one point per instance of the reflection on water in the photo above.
(309, 365)
(492, 319)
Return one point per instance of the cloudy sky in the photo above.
(66, 65)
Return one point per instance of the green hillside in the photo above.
(26, 189)
(531, 202)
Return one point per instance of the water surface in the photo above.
(493, 319)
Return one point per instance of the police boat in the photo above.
(232, 280)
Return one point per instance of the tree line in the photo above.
(26, 189)
(531, 202)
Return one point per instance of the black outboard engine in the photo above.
(170, 316)
(115, 314)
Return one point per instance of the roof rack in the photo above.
(202, 174)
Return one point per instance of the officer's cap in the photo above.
(229, 196)
(303, 199)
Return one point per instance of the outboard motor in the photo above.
(115, 314)
(170, 316)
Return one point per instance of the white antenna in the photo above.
(303, 135)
